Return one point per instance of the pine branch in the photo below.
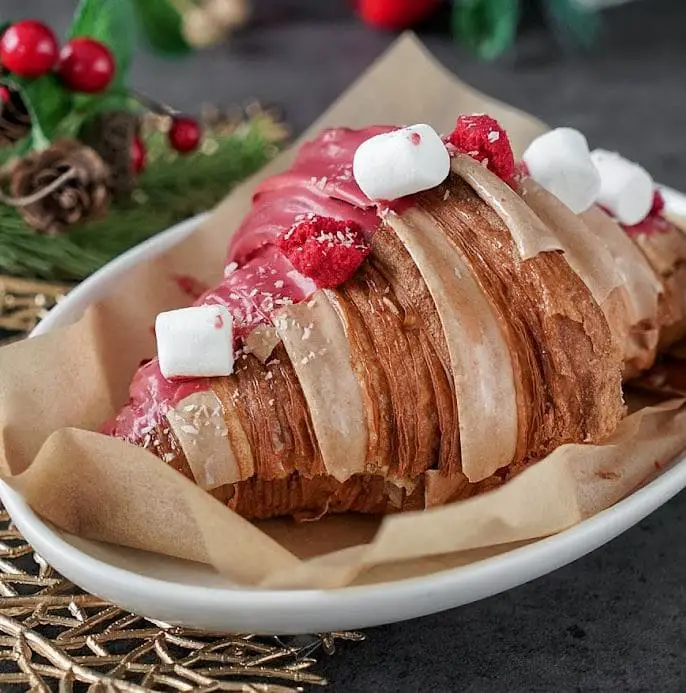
(171, 189)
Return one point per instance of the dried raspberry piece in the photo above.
(658, 204)
(485, 140)
(327, 250)
(650, 226)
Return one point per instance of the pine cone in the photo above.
(111, 135)
(15, 121)
(49, 205)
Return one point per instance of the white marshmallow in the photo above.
(401, 163)
(195, 342)
(560, 162)
(626, 189)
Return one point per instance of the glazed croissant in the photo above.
(488, 325)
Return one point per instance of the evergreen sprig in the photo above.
(171, 189)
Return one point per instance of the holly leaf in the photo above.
(489, 27)
(575, 20)
(48, 104)
(162, 26)
(113, 22)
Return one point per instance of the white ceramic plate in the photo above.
(194, 595)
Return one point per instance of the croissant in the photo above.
(488, 325)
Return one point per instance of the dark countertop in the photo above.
(613, 621)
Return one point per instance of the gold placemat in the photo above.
(54, 637)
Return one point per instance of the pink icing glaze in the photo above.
(320, 181)
(150, 396)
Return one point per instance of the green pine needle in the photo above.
(171, 189)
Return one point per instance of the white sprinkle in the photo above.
(230, 269)
(446, 195)
(493, 136)
(392, 307)
(278, 284)
(168, 456)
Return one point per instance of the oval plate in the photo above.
(194, 595)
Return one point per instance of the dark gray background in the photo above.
(613, 621)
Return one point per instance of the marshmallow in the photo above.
(195, 342)
(401, 163)
(626, 189)
(560, 162)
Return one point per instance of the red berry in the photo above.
(29, 48)
(658, 204)
(395, 14)
(484, 139)
(86, 65)
(138, 155)
(327, 250)
(185, 134)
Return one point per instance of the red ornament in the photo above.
(485, 140)
(86, 65)
(658, 204)
(29, 49)
(138, 155)
(185, 134)
(395, 14)
(327, 250)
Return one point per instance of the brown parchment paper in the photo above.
(56, 390)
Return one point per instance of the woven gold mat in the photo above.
(53, 637)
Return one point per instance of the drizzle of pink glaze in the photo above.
(415, 138)
(320, 181)
(190, 285)
(398, 206)
(150, 397)
(255, 290)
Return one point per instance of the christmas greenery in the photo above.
(168, 188)
(171, 189)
